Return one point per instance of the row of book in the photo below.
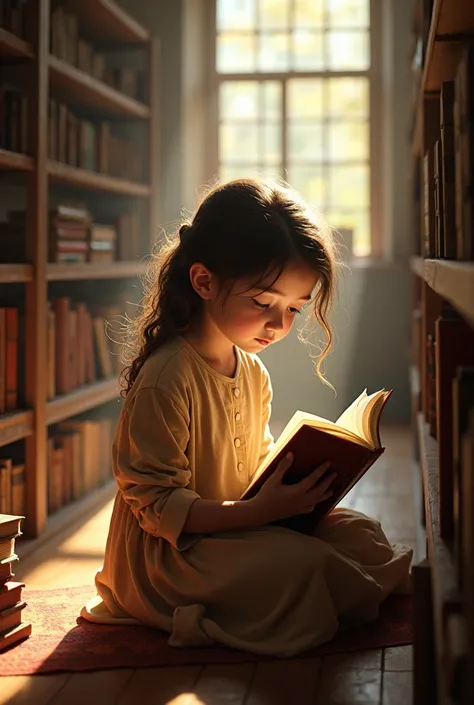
(12, 482)
(9, 349)
(90, 145)
(13, 119)
(13, 628)
(68, 44)
(13, 16)
(74, 237)
(447, 179)
(80, 350)
(79, 459)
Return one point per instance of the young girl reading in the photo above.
(183, 553)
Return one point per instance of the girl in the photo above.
(183, 554)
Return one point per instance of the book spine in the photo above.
(11, 358)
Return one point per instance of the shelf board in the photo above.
(82, 399)
(79, 88)
(65, 520)
(15, 160)
(94, 270)
(14, 47)
(15, 426)
(13, 273)
(104, 18)
(452, 280)
(94, 181)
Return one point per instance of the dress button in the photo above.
(236, 391)
(237, 416)
(240, 467)
(237, 442)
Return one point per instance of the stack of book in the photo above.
(69, 229)
(12, 626)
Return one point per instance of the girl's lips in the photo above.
(262, 341)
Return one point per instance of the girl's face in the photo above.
(252, 319)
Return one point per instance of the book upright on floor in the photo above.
(351, 445)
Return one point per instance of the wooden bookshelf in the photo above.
(12, 47)
(46, 77)
(81, 400)
(15, 161)
(94, 270)
(453, 281)
(92, 93)
(11, 273)
(94, 181)
(15, 426)
(443, 294)
(108, 22)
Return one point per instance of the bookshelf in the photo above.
(442, 369)
(47, 77)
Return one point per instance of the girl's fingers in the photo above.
(314, 476)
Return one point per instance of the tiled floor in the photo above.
(377, 677)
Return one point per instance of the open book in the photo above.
(351, 445)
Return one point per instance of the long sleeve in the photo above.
(151, 467)
(266, 435)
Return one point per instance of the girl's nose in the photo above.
(275, 324)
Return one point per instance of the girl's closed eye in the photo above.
(258, 304)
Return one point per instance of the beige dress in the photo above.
(186, 432)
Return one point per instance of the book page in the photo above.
(363, 416)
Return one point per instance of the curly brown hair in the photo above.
(244, 228)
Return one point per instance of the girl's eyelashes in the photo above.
(263, 307)
(260, 305)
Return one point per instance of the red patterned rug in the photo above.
(62, 641)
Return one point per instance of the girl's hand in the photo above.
(276, 500)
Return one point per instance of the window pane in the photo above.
(305, 98)
(305, 142)
(235, 14)
(271, 171)
(274, 14)
(348, 97)
(235, 53)
(348, 13)
(308, 13)
(310, 182)
(272, 100)
(349, 188)
(238, 143)
(227, 172)
(359, 223)
(348, 50)
(238, 100)
(271, 153)
(273, 52)
(348, 141)
(308, 50)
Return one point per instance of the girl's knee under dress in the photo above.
(268, 591)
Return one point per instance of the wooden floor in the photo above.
(377, 677)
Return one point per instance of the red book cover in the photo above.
(312, 446)
(10, 594)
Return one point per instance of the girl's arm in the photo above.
(208, 515)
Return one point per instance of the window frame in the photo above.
(376, 113)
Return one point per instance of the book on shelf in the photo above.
(438, 201)
(447, 168)
(79, 459)
(454, 347)
(351, 445)
(12, 482)
(463, 402)
(464, 154)
(9, 351)
(13, 119)
(429, 249)
(14, 17)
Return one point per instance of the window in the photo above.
(294, 101)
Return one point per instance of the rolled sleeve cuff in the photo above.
(173, 518)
